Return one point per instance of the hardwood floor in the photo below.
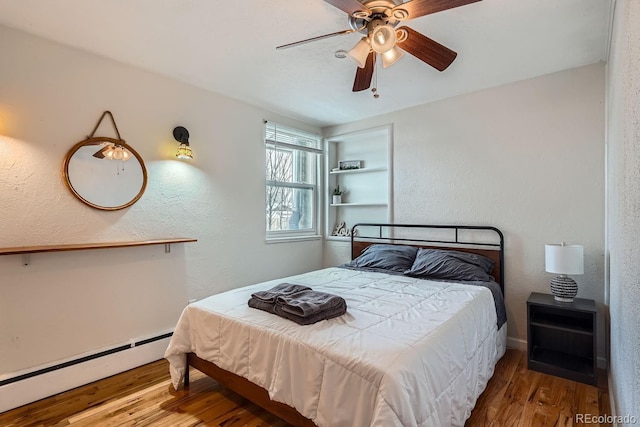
(144, 396)
(516, 396)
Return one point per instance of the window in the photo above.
(292, 172)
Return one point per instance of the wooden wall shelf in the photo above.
(27, 250)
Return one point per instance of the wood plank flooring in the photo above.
(144, 396)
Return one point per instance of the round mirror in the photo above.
(105, 173)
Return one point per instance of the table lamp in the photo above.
(564, 259)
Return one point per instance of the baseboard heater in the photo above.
(84, 359)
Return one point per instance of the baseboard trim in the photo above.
(602, 363)
(612, 398)
(37, 384)
(517, 343)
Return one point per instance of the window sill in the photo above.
(289, 239)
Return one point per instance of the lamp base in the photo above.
(563, 288)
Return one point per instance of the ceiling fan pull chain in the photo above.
(374, 89)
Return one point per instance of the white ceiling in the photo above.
(229, 47)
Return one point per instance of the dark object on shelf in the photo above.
(350, 164)
(561, 337)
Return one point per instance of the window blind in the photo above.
(284, 136)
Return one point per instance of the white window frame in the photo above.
(316, 188)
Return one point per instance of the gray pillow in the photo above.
(397, 258)
(452, 265)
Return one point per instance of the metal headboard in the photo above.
(454, 243)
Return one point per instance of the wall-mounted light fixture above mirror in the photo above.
(105, 173)
(181, 134)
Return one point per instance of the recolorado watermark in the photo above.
(606, 419)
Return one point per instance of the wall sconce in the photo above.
(181, 135)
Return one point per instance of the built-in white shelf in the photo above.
(339, 238)
(368, 189)
(361, 170)
(360, 204)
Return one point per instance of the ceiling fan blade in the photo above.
(364, 75)
(312, 39)
(417, 8)
(100, 153)
(349, 6)
(427, 50)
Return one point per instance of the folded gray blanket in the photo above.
(269, 307)
(298, 303)
(330, 312)
(280, 290)
(309, 302)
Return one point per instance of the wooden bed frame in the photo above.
(359, 242)
(246, 389)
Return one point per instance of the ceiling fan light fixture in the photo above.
(109, 152)
(377, 19)
(360, 52)
(383, 38)
(114, 152)
(400, 14)
(121, 153)
(391, 56)
(117, 153)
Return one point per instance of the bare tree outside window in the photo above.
(279, 198)
(292, 166)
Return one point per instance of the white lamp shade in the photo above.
(564, 259)
(383, 38)
(391, 56)
(360, 52)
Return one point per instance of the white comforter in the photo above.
(408, 352)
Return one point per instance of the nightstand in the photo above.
(561, 337)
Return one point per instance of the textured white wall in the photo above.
(527, 157)
(66, 304)
(623, 206)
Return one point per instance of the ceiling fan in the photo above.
(112, 152)
(377, 20)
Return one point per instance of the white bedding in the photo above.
(409, 352)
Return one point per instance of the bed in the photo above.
(410, 351)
